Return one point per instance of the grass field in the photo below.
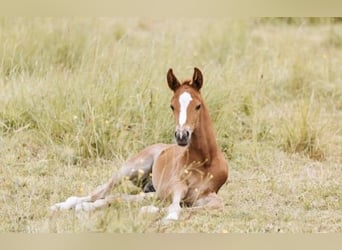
(79, 96)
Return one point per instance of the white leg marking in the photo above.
(71, 202)
(90, 206)
(173, 213)
(184, 100)
(174, 209)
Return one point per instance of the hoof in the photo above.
(170, 218)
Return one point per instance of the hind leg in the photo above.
(109, 199)
(136, 168)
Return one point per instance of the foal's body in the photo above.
(189, 172)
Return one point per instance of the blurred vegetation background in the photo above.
(80, 95)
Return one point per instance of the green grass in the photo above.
(79, 96)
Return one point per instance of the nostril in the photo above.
(187, 133)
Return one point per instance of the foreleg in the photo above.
(173, 211)
(211, 201)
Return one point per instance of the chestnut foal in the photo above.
(190, 172)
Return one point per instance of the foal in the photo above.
(190, 172)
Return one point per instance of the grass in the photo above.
(79, 96)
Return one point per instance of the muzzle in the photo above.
(182, 136)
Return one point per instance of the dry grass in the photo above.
(79, 96)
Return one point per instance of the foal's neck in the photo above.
(203, 145)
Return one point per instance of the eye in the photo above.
(171, 106)
(198, 107)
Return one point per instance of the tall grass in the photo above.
(78, 96)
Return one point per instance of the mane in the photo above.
(186, 82)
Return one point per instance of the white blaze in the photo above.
(184, 100)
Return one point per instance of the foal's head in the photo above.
(186, 104)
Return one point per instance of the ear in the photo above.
(172, 80)
(197, 79)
